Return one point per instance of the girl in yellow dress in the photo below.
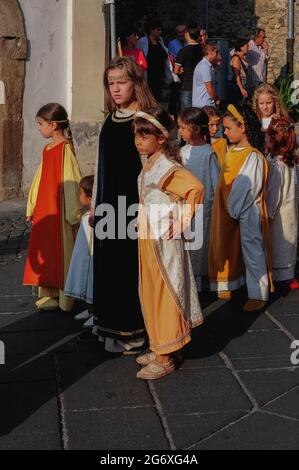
(169, 195)
(240, 235)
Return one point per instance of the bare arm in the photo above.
(211, 90)
(236, 66)
(178, 69)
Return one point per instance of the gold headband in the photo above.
(231, 108)
(152, 120)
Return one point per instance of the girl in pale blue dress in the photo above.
(79, 282)
(199, 157)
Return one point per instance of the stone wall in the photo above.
(229, 19)
(233, 19)
(13, 50)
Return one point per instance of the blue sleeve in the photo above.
(172, 49)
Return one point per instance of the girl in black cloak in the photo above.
(118, 317)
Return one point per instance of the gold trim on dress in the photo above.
(121, 120)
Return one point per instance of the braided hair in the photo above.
(55, 112)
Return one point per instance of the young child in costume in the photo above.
(267, 104)
(79, 284)
(219, 144)
(198, 157)
(54, 210)
(167, 289)
(240, 237)
(281, 146)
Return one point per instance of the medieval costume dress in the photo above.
(220, 148)
(117, 311)
(240, 236)
(167, 288)
(282, 208)
(54, 205)
(202, 162)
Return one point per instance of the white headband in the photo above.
(154, 121)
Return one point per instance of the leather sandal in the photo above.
(254, 305)
(146, 358)
(225, 295)
(155, 370)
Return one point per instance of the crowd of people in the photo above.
(187, 66)
(226, 179)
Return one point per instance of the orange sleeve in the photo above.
(182, 185)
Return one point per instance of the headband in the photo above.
(152, 120)
(233, 110)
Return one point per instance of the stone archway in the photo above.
(13, 53)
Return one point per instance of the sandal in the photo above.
(47, 303)
(254, 305)
(225, 295)
(146, 358)
(155, 370)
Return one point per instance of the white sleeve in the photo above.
(275, 182)
(247, 186)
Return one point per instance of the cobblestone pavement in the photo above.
(237, 388)
(14, 231)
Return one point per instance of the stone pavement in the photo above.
(237, 388)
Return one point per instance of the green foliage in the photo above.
(288, 94)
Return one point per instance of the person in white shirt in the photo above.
(257, 58)
(204, 93)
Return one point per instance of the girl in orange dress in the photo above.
(169, 195)
(53, 208)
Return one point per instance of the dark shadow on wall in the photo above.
(227, 19)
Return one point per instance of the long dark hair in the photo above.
(197, 118)
(55, 112)
(143, 94)
(144, 127)
(253, 127)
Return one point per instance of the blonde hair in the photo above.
(270, 90)
(142, 92)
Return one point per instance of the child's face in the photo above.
(84, 200)
(214, 124)
(148, 144)
(121, 87)
(186, 131)
(266, 105)
(233, 131)
(46, 128)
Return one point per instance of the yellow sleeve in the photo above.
(182, 185)
(71, 180)
(32, 196)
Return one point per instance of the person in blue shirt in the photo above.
(204, 93)
(177, 44)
